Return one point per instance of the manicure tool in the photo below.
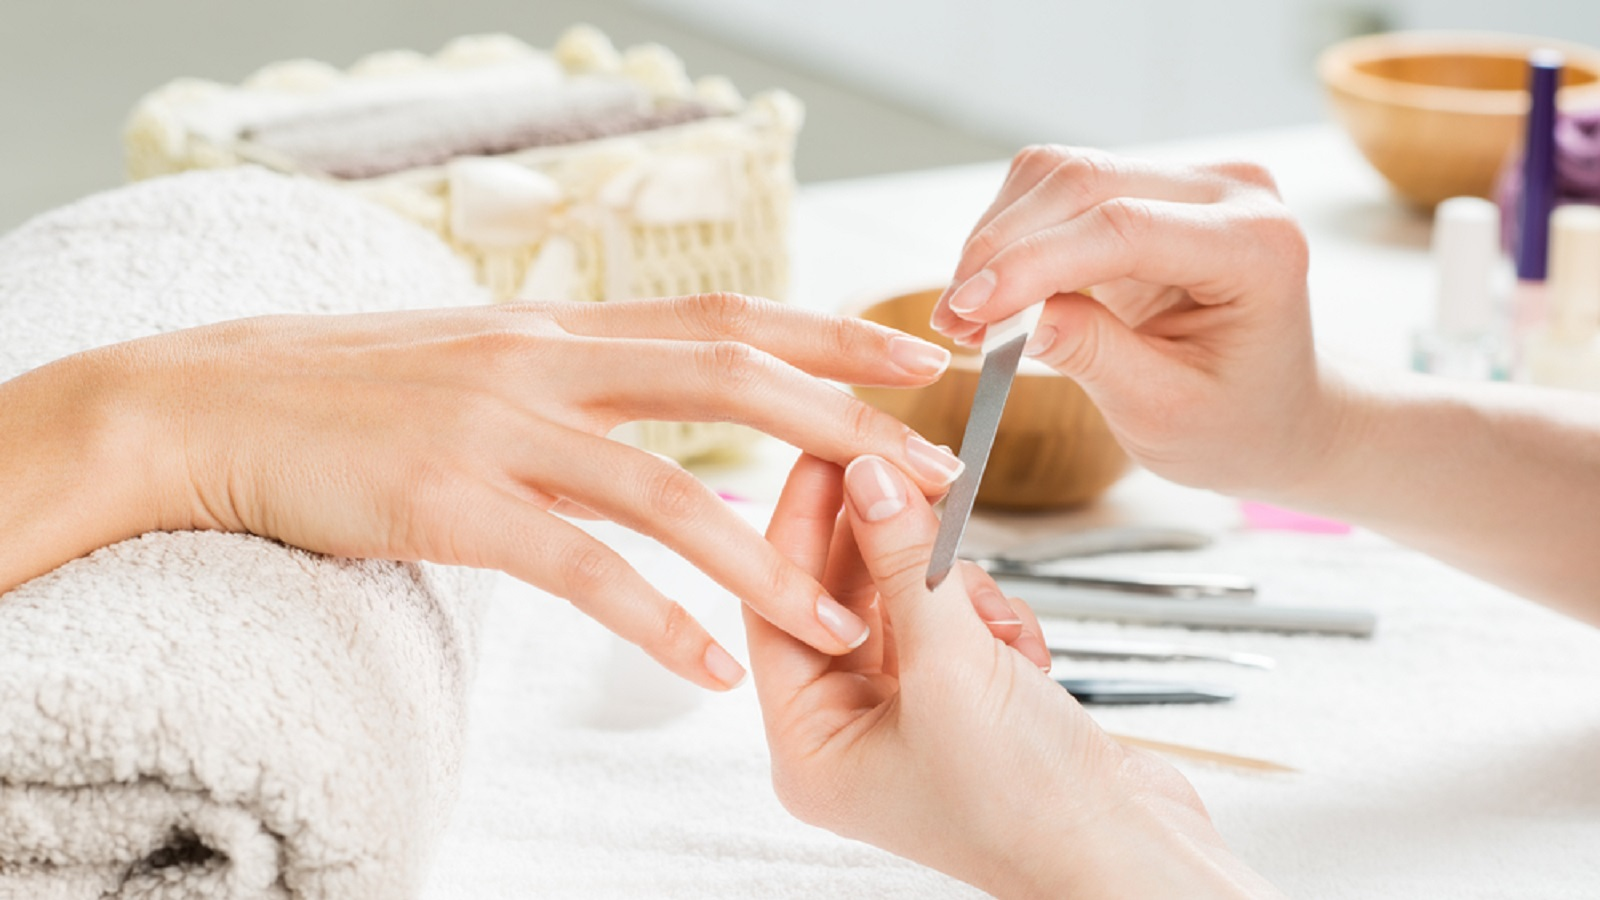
(1053, 600)
(1002, 351)
(1105, 541)
(1124, 691)
(1201, 753)
(1174, 587)
(1154, 651)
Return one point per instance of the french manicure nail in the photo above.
(874, 488)
(722, 666)
(936, 464)
(973, 294)
(841, 623)
(1040, 341)
(918, 357)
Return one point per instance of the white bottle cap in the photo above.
(1466, 255)
(1574, 280)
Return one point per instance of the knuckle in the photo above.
(1038, 158)
(1244, 172)
(903, 566)
(731, 366)
(860, 423)
(1274, 232)
(587, 571)
(1085, 358)
(673, 493)
(1083, 177)
(775, 580)
(678, 629)
(984, 243)
(723, 314)
(1127, 219)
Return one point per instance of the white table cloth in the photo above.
(1457, 753)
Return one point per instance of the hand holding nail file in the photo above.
(1002, 351)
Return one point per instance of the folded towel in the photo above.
(214, 715)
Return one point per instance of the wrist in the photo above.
(1154, 840)
(1334, 428)
(70, 464)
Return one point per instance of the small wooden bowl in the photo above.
(1438, 112)
(1053, 449)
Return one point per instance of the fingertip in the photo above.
(973, 293)
(725, 671)
(876, 490)
(1033, 649)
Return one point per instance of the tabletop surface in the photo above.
(1452, 754)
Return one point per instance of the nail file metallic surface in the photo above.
(994, 384)
(1130, 690)
(1157, 651)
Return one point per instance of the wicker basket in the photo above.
(689, 208)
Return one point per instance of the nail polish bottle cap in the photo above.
(1574, 284)
(1466, 254)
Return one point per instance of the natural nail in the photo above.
(722, 666)
(936, 464)
(841, 623)
(874, 488)
(974, 293)
(1040, 341)
(918, 357)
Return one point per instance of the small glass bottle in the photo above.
(1469, 338)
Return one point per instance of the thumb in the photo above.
(894, 528)
(1083, 340)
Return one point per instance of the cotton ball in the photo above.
(389, 63)
(657, 70)
(483, 50)
(718, 93)
(585, 48)
(296, 76)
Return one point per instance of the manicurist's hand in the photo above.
(451, 435)
(939, 742)
(1196, 343)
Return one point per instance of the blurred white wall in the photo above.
(1098, 72)
(889, 84)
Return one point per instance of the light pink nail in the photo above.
(722, 666)
(874, 488)
(841, 623)
(973, 294)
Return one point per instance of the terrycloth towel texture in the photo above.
(210, 715)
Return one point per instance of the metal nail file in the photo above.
(1124, 691)
(1002, 352)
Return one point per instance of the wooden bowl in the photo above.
(1438, 112)
(1053, 449)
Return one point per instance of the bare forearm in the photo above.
(72, 456)
(1500, 481)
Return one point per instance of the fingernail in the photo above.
(1040, 341)
(874, 488)
(841, 623)
(974, 293)
(723, 667)
(918, 357)
(1033, 650)
(933, 463)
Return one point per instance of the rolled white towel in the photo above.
(217, 715)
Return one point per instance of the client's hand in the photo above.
(940, 743)
(450, 435)
(1197, 342)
